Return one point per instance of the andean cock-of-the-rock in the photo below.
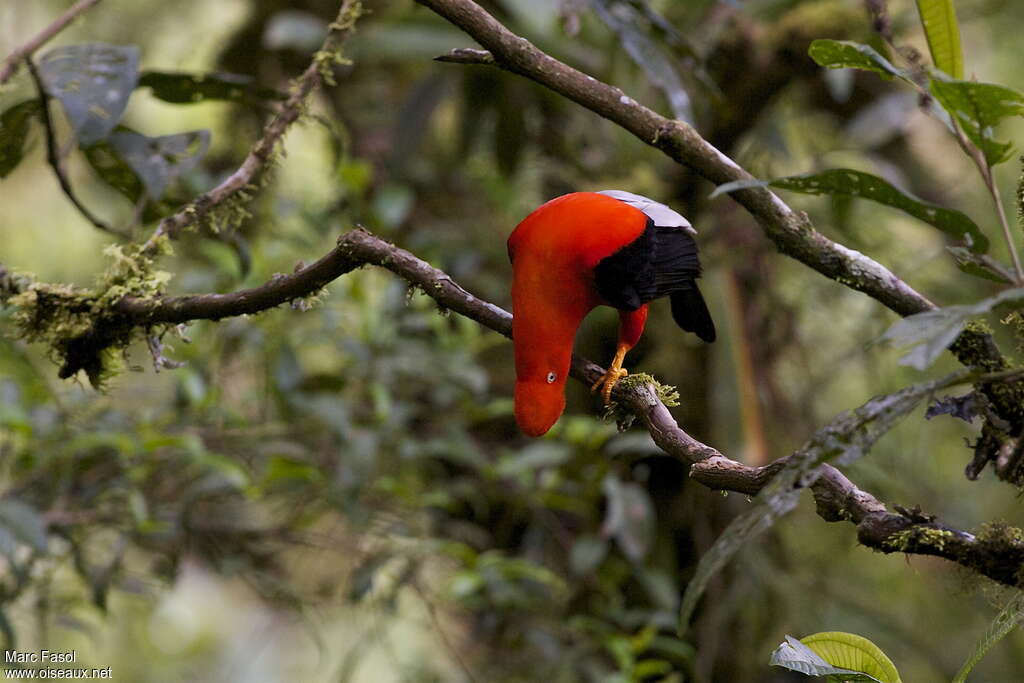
(584, 250)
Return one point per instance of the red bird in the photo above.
(584, 250)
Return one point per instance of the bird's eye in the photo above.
(552, 377)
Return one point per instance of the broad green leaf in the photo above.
(845, 54)
(853, 652)
(186, 88)
(943, 34)
(14, 132)
(978, 108)
(931, 332)
(158, 161)
(847, 182)
(795, 656)
(805, 656)
(93, 83)
(1007, 620)
(846, 438)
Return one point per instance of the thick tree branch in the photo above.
(13, 61)
(316, 74)
(791, 231)
(836, 497)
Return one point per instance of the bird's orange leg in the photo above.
(631, 326)
(614, 373)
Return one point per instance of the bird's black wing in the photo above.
(662, 261)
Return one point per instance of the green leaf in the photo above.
(587, 554)
(981, 266)
(931, 332)
(286, 469)
(940, 28)
(14, 132)
(844, 655)
(848, 182)
(845, 54)
(186, 88)
(93, 83)
(158, 161)
(853, 652)
(978, 108)
(1007, 620)
(24, 523)
(113, 170)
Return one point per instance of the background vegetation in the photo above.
(340, 493)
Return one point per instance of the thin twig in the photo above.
(53, 156)
(312, 78)
(13, 60)
(1004, 223)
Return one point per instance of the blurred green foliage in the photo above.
(340, 493)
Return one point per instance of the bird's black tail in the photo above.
(691, 313)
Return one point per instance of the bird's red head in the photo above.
(538, 406)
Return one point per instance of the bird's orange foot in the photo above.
(608, 381)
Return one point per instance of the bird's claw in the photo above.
(610, 378)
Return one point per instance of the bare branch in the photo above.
(791, 231)
(836, 497)
(466, 55)
(312, 78)
(13, 61)
(53, 155)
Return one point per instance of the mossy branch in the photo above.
(836, 497)
(230, 197)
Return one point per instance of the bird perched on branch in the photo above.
(584, 250)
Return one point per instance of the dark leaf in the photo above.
(845, 181)
(93, 83)
(186, 88)
(14, 132)
(964, 407)
(362, 578)
(158, 161)
(113, 170)
(844, 54)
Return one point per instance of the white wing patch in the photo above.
(659, 213)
